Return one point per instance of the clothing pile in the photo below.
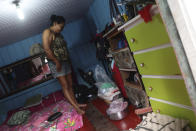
(20, 117)
(83, 93)
(158, 122)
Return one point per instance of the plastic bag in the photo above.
(101, 76)
(116, 106)
(107, 91)
(106, 87)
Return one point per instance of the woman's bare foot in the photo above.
(81, 112)
(82, 105)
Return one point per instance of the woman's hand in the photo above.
(58, 66)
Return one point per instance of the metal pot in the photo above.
(119, 115)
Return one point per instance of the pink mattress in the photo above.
(69, 121)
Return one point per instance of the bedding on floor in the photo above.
(70, 120)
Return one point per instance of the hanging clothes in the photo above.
(145, 13)
(118, 79)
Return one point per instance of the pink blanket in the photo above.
(69, 121)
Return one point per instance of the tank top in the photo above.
(59, 48)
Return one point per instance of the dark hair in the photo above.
(58, 19)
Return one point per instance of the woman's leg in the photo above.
(67, 94)
(70, 88)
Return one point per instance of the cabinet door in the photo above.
(175, 112)
(173, 90)
(158, 62)
(147, 35)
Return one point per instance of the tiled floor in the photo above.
(96, 119)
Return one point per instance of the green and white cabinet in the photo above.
(158, 66)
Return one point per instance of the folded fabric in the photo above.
(18, 118)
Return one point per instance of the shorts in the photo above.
(65, 68)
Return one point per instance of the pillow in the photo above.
(18, 118)
(36, 49)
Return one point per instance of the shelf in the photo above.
(154, 10)
(120, 50)
(109, 55)
(110, 31)
(126, 69)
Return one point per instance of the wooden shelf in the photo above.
(132, 85)
(112, 32)
(109, 55)
(117, 51)
(153, 11)
(120, 50)
(127, 69)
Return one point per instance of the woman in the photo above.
(58, 59)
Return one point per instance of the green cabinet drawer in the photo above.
(147, 35)
(174, 111)
(158, 62)
(173, 90)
